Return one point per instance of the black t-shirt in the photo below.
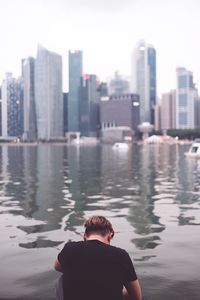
(94, 270)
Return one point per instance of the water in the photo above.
(151, 194)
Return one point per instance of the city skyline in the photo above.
(34, 106)
(107, 33)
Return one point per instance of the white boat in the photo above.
(120, 146)
(194, 151)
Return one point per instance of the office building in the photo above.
(65, 113)
(75, 74)
(185, 99)
(120, 111)
(103, 90)
(28, 73)
(12, 106)
(48, 94)
(0, 114)
(157, 124)
(197, 112)
(89, 106)
(143, 80)
(168, 110)
(118, 85)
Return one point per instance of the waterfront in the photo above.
(151, 194)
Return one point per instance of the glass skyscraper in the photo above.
(28, 73)
(143, 80)
(0, 114)
(12, 106)
(118, 85)
(75, 74)
(185, 99)
(89, 106)
(48, 94)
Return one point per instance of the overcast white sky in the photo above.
(106, 31)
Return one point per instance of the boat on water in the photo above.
(120, 146)
(194, 151)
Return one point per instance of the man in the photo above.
(94, 270)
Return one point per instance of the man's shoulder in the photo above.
(73, 244)
(118, 250)
(71, 247)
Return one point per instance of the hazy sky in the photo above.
(106, 31)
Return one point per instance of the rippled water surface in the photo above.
(151, 194)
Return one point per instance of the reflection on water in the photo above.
(150, 193)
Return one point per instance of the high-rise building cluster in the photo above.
(34, 107)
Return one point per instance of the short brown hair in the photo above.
(99, 225)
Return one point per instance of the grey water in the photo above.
(151, 194)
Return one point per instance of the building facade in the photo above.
(185, 99)
(30, 124)
(48, 94)
(0, 114)
(197, 112)
(168, 110)
(143, 79)
(65, 113)
(118, 85)
(103, 89)
(75, 74)
(12, 107)
(120, 111)
(89, 106)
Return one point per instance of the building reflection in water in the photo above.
(145, 221)
(52, 188)
(35, 184)
(151, 194)
(4, 179)
(188, 195)
(165, 205)
(84, 173)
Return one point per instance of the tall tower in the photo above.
(168, 110)
(118, 85)
(185, 99)
(28, 73)
(75, 73)
(89, 106)
(12, 106)
(144, 79)
(48, 94)
(0, 114)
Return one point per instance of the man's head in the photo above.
(98, 225)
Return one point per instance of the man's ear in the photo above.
(85, 237)
(110, 236)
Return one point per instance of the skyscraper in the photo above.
(0, 114)
(89, 106)
(65, 113)
(28, 73)
(75, 73)
(143, 80)
(185, 99)
(48, 94)
(118, 85)
(168, 110)
(197, 112)
(12, 106)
